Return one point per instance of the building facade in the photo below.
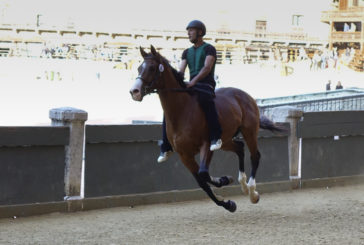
(346, 22)
(241, 35)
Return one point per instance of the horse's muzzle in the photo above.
(136, 90)
(136, 95)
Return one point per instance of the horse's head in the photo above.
(149, 74)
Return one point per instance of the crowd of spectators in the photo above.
(124, 57)
(65, 51)
(324, 59)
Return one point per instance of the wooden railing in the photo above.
(231, 36)
(343, 15)
(346, 36)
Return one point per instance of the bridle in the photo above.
(148, 89)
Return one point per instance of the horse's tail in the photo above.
(265, 123)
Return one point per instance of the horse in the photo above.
(187, 129)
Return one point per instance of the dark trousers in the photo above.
(207, 104)
(165, 146)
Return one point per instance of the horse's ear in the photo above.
(142, 52)
(154, 52)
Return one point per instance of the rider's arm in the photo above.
(209, 64)
(182, 66)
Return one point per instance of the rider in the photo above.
(201, 60)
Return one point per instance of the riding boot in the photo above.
(166, 147)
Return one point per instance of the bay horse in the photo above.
(187, 129)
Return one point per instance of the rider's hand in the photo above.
(189, 85)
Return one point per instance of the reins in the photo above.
(183, 90)
(187, 90)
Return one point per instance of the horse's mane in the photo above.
(177, 75)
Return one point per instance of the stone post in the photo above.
(75, 119)
(291, 115)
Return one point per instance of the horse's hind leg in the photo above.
(251, 139)
(237, 147)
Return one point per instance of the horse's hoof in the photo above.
(226, 180)
(232, 206)
(231, 179)
(245, 189)
(243, 184)
(254, 198)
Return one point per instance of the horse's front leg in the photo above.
(202, 180)
(228, 205)
(205, 159)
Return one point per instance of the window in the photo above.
(297, 20)
(261, 25)
(260, 28)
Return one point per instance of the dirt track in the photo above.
(310, 216)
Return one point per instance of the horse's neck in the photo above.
(174, 103)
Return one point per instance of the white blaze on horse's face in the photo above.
(146, 80)
(136, 89)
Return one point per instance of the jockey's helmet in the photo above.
(198, 25)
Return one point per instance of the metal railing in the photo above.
(343, 103)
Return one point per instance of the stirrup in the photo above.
(215, 145)
(164, 156)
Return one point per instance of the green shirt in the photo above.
(196, 60)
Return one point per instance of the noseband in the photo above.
(148, 89)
